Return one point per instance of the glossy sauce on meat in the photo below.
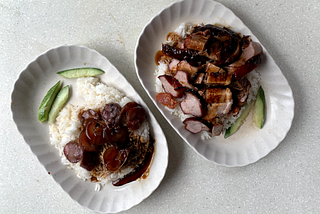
(107, 133)
(203, 69)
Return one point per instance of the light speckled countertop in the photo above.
(285, 181)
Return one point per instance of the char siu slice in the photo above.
(196, 125)
(215, 75)
(193, 104)
(249, 59)
(171, 85)
(184, 79)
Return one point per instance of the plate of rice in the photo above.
(92, 188)
(191, 19)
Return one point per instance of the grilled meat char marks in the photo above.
(206, 75)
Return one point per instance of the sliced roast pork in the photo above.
(215, 75)
(193, 104)
(184, 79)
(196, 125)
(171, 85)
(249, 59)
(219, 102)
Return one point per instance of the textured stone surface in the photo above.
(286, 181)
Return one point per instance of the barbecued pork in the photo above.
(206, 75)
(249, 59)
(219, 102)
(196, 125)
(171, 85)
(193, 104)
(215, 75)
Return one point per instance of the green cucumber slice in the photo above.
(239, 121)
(58, 104)
(259, 109)
(47, 101)
(80, 72)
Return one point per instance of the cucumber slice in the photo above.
(239, 121)
(58, 103)
(80, 72)
(46, 103)
(259, 109)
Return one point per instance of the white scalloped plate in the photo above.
(27, 94)
(249, 144)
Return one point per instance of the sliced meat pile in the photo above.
(206, 75)
(107, 139)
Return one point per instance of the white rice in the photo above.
(67, 126)
(253, 77)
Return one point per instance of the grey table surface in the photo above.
(285, 181)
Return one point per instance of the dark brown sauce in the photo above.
(158, 56)
(140, 172)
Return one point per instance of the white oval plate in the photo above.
(249, 144)
(30, 88)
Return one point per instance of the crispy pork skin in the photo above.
(215, 75)
(219, 102)
(196, 125)
(193, 104)
(171, 85)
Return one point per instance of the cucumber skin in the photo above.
(239, 121)
(58, 104)
(259, 109)
(80, 72)
(47, 101)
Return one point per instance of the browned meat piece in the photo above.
(173, 66)
(87, 115)
(73, 151)
(183, 78)
(124, 111)
(199, 79)
(197, 41)
(136, 117)
(89, 160)
(217, 95)
(114, 158)
(85, 143)
(217, 129)
(189, 69)
(167, 100)
(224, 44)
(219, 102)
(249, 59)
(94, 132)
(171, 85)
(183, 54)
(117, 137)
(216, 76)
(193, 104)
(111, 114)
(196, 125)
(241, 89)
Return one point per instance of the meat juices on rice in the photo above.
(205, 75)
(68, 127)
